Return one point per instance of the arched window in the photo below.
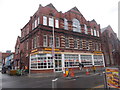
(76, 25)
(65, 24)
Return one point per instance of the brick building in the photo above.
(76, 40)
(111, 47)
(17, 54)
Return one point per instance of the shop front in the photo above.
(43, 61)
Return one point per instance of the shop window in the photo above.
(98, 60)
(71, 60)
(86, 60)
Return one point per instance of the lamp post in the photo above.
(54, 81)
(53, 45)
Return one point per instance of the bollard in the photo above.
(54, 83)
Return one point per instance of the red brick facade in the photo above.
(32, 33)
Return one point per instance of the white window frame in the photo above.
(44, 20)
(86, 58)
(75, 44)
(67, 42)
(36, 23)
(76, 25)
(57, 23)
(65, 24)
(57, 42)
(81, 43)
(98, 34)
(91, 31)
(51, 22)
(71, 60)
(45, 42)
(50, 41)
(98, 60)
(94, 32)
(86, 29)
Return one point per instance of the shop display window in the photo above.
(86, 60)
(71, 60)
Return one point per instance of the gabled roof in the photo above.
(93, 21)
(75, 8)
(51, 6)
(107, 28)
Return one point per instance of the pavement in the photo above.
(77, 74)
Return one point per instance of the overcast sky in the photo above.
(14, 14)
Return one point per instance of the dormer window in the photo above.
(76, 25)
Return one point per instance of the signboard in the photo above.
(97, 52)
(50, 49)
(112, 77)
(34, 51)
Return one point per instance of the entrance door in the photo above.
(58, 62)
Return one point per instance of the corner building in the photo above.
(76, 40)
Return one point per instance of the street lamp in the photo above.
(54, 81)
(53, 45)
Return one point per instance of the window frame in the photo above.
(51, 22)
(65, 24)
(67, 42)
(46, 41)
(56, 23)
(57, 42)
(45, 20)
(76, 25)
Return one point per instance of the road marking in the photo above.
(100, 86)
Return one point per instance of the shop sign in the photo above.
(97, 52)
(50, 49)
(34, 50)
(112, 77)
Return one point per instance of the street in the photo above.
(85, 81)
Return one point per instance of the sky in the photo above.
(14, 14)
